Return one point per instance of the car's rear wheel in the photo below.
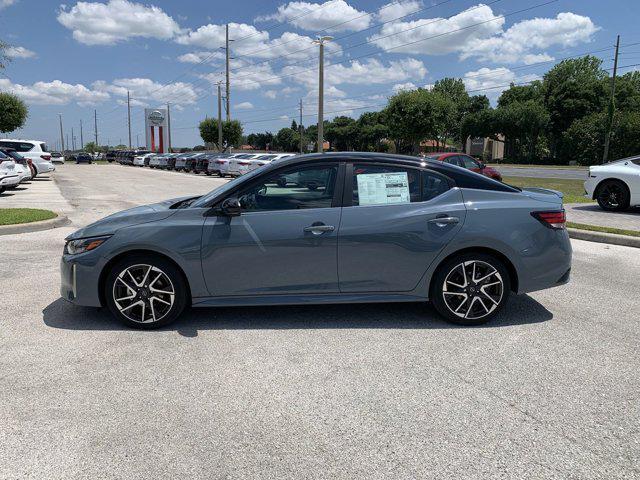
(470, 289)
(144, 291)
(613, 195)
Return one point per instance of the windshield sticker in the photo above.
(383, 188)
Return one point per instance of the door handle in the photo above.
(444, 220)
(319, 229)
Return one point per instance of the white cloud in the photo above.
(321, 16)
(54, 93)
(398, 87)
(493, 81)
(243, 106)
(245, 77)
(6, 3)
(255, 43)
(19, 52)
(393, 36)
(369, 72)
(201, 57)
(108, 23)
(531, 58)
(391, 11)
(518, 41)
(145, 91)
(272, 94)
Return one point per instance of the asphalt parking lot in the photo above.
(550, 389)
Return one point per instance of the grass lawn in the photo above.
(573, 189)
(552, 167)
(595, 228)
(12, 216)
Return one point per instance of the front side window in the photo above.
(385, 185)
(299, 188)
(454, 160)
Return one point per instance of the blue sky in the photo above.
(76, 57)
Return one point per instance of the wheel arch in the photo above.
(609, 179)
(140, 251)
(513, 273)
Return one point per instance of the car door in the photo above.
(395, 221)
(284, 241)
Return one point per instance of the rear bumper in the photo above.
(547, 266)
(46, 167)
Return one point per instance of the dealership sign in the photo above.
(156, 129)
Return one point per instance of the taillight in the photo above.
(45, 157)
(555, 219)
(244, 164)
(221, 162)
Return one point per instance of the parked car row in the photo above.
(34, 151)
(15, 169)
(209, 163)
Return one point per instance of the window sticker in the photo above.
(383, 188)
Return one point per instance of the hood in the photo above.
(127, 218)
(544, 195)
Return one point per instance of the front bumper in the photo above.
(9, 180)
(80, 279)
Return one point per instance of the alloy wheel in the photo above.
(611, 195)
(143, 293)
(473, 289)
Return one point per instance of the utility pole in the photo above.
(67, 136)
(129, 116)
(61, 134)
(168, 128)
(300, 129)
(95, 125)
(612, 105)
(73, 140)
(219, 117)
(320, 41)
(227, 72)
(137, 141)
(81, 138)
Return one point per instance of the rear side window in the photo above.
(43, 147)
(23, 147)
(433, 185)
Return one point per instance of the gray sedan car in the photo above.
(356, 227)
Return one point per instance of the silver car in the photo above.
(359, 227)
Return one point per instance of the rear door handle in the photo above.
(444, 220)
(319, 229)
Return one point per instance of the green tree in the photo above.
(409, 117)
(231, 133)
(522, 93)
(573, 89)
(287, 140)
(91, 147)
(371, 130)
(342, 133)
(13, 112)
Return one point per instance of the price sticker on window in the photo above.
(383, 188)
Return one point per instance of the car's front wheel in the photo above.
(144, 291)
(470, 289)
(613, 195)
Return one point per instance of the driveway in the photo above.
(550, 389)
(592, 214)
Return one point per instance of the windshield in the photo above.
(205, 199)
(265, 157)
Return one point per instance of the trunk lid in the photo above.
(544, 195)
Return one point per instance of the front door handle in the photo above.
(444, 220)
(319, 228)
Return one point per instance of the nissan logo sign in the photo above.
(156, 117)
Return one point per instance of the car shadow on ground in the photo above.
(40, 179)
(593, 207)
(520, 310)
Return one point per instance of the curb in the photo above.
(602, 237)
(59, 221)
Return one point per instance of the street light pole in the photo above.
(219, 117)
(227, 72)
(612, 105)
(320, 41)
(61, 134)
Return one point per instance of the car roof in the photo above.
(464, 178)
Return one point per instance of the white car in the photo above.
(139, 160)
(267, 159)
(239, 164)
(615, 185)
(57, 157)
(9, 176)
(34, 150)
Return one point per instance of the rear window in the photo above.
(43, 147)
(636, 162)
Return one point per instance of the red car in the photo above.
(465, 161)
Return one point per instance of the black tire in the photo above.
(613, 195)
(492, 297)
(175, 282)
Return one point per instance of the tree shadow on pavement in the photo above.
(520, 310)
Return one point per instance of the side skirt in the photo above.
(298, 299)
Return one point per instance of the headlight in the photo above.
(74, 247)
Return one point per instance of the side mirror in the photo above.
(231, 207)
